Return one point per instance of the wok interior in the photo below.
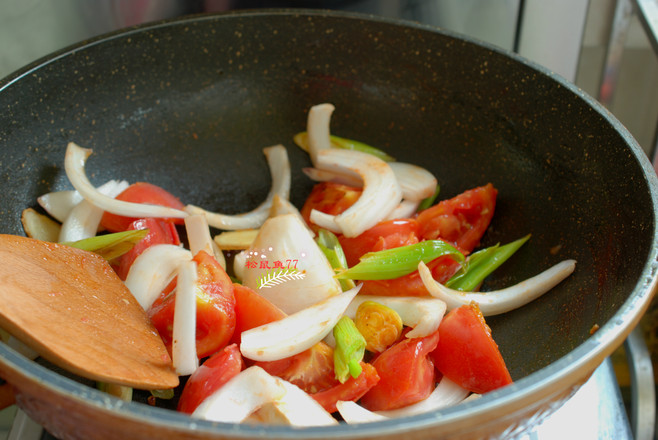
(190, 105)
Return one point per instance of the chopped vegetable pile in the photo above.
(361, 306)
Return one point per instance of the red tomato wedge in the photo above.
(352, 390)
(330, 198)
(209, 377)
(384, 235)
(311, 370)
(461, 220)
(160, 232)
(141, 192)
(406, 374)
(467, 354)
(215, 303)
(252, 310)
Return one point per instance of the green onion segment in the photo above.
(301, 139)
(429, 201)
(481, 264)
(330, 246)
(110, 246)
(399, 261)
(349, 351)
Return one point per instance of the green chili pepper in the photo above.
(332, 249)
(110, 246)
(301, 139)
(481, 264)
(399, 261)
(349, 351)
(429, 201)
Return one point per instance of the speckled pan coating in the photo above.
(189, 104)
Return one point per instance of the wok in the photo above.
(189, 104)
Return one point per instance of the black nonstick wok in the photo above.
(189, 104)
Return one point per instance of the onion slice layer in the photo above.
(499, 301)
(74, 164)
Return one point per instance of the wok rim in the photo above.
(569, 370)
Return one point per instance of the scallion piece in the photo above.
(123, 392)
(301, 139)
(429, 201)
(481, 264)
(330, 246)
(166, 394)
(110, 246)
(399, 261)
(349, 351)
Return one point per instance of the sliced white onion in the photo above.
(381, 192)
(499, 301)
(299, 409)
(447, 393)
(239, 263)
(406, 209)
(74, 164)
(422, 314)
(416, 182)
(277, 159)
(198, 236)
(281, 206)
(153, 269)
(84, 218)
(318, 129)
(183, 346)
(254, 389)
(325, 221)
(354, 413)
(59, 204)
(349, 179)
(297, 332)
(304, 276)
(240, 396)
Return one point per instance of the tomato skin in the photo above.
(141, 192)
(467, 354)
(252, 310)
(384, 235)
(406, 374)
(352, 390)
(311, 370)
(330, 198)
(210, 376)
(461, 220)
(215, 303)
(160, 232)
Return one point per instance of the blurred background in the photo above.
(607, 48)
(568, 36)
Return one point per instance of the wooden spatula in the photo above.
(70, 306)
